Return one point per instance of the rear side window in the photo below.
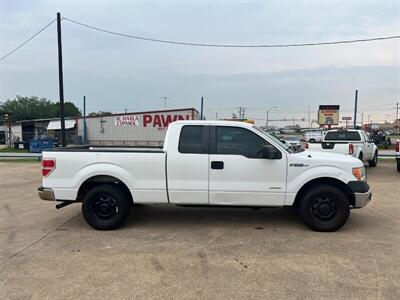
(193, 139)
(342, 136)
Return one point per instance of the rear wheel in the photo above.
(398, 165)
(324, 208)
(106, 207)
(374, 161)
(312, 141)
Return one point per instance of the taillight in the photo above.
(398, 146)
(48, 166)
(351, 149)
(306, 146)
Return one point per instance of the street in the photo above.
(166, 252)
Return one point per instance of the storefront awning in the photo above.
(56, 125)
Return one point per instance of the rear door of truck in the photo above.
(188, 164)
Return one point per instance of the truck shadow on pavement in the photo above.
(259, 218)
(191, 217)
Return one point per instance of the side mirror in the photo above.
(270, 152)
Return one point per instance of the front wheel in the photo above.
(324, 208)
(374, 161)
(106, 207)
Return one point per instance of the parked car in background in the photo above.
(293, 141)
(398, 155)
(389, 132)
(213, 163)
(350, 142)
(313, 136)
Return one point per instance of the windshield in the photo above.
(275, 139)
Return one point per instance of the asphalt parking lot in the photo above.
(189, 253)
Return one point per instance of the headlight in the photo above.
(360, 174)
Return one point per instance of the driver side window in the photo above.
(239, 141)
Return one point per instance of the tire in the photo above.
(312, 141)
(360, 157)
(106, 207)
(324, 208)
(398, 165)
(374, 161)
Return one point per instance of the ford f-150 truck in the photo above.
(352, 142)
(207, 163)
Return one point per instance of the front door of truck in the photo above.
(238, 173)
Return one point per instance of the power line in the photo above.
(229, 45)
(27, 41)
(199, 44)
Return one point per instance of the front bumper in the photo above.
(362, 193)
(46, 194)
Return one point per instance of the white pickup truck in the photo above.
(207, 163)
(352, 142)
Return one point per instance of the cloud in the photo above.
(117, 73)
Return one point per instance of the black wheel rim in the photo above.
(105, 207)
(323, 208)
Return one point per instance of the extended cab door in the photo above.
(238, 173)
(368, 147)
(188, 164)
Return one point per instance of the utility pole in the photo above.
(355, 110)
(84, 121)
(61, 81)
(309, 120)
(241, 112)
(165, 101)
(362, 120)
(397, 123)
(201, 109)
(8, 116)
(268, 110)
(370, 124)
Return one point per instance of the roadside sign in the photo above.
(346, 118)
(328, 115)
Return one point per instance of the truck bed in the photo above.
(141, 169)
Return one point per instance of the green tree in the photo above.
(70, 110)
(100, 113)
(29, 108)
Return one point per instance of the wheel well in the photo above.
(92, 182)
(325, 180)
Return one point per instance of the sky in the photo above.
(117, 73)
